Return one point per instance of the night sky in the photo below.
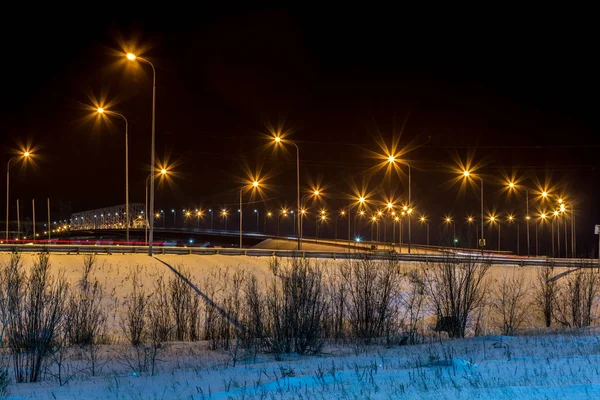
(518, 95)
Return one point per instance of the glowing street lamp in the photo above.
(315, 193)
(103, 111)
(513, 186)
(495, 220)
(253, 186)
(133, 57)
(448, 220)
(467, 175)
(423, 220)
(24, 155)
(279, 140)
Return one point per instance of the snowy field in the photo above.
(553, 366)
(545, 365)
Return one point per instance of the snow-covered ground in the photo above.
(544, 366)
(554, 366)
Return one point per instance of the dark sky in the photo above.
(518, 93)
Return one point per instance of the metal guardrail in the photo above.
(494, 259)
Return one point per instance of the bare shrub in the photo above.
(159, 323)
(575, 299)
(296, 307)
(252, 318)
(184, 305)
(509, 301)
(212, 285)
(234, 337)
(133, 323)
(35, 312)
(370, 286)
(413, 303)
(336, 289)
(456, 288)
(545, 291)
(85, 312)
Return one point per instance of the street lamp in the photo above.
(315, 193)
(199, 214)
(511, 219)
(103, 111)
(224, 215)
(448, 220)
(283, 213)
(257, 217)
(423, 220)
(392, 160)
(513, 186)
(253, 186)
(24, 155)
(467, 174)
(495, 220)
(163, 172)
(132, 57)
(279, 140)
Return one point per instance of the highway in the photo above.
(494, 259)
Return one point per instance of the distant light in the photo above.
(560, 201)
(361, 199)
(316, 192)
(100, 110)
(391, 158)
(357, 239)
(390, 205)
(511, 185)
(544, 194)
(466, 173)
(163, 171)
(277, 139)
(255, 183)
(26, 154)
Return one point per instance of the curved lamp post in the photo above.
(25, 154)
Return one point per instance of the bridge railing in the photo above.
(354, 255)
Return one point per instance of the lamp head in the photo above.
(26, 154)
(255, 184)
(391, 159)
(100, 110)
(277, 139)
(466, 173)
(131, 56)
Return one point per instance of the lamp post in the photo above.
(211, 218)
(511, 219)
(224, 215)
(302, 211)
(541, 220)
(102, 111)
(132, 57)
(254, 186)
(283, 213)
(467, 174)
(278, 139)
(257, 217)
(199, 214)
(342, 214)
(25, 155)
(470, 221)
(448, 221)
(423, 220)
(495, 220)
(268, 215)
